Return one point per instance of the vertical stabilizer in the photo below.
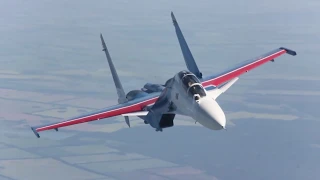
(187, 55)
(120, 91)
(121, 94)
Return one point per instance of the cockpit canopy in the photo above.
(196, 89)
(191, 83)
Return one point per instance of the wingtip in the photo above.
(35, 132)
(289, 51)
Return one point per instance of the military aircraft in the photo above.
(187, 93)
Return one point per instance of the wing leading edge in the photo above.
(220, 78)
(129, 107)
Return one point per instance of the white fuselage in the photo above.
(201, 107)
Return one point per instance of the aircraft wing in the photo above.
(220, 78)
(128, 107)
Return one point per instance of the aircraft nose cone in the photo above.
(212, 113)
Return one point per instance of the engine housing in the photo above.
(150, 88)
(135, 94)
(166, 120)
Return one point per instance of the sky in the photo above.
(52, 68)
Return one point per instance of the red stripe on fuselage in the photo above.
(115, 112)
(237, 72)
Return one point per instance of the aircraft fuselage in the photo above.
(184, 95)
(191, 100)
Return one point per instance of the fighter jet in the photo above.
(187, 93)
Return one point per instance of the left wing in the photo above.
(128, 107)
(246, 66)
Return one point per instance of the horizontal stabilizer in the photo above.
(218, 91)
(139, 113)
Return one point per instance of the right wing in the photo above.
(128, 107)
(236, 71)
